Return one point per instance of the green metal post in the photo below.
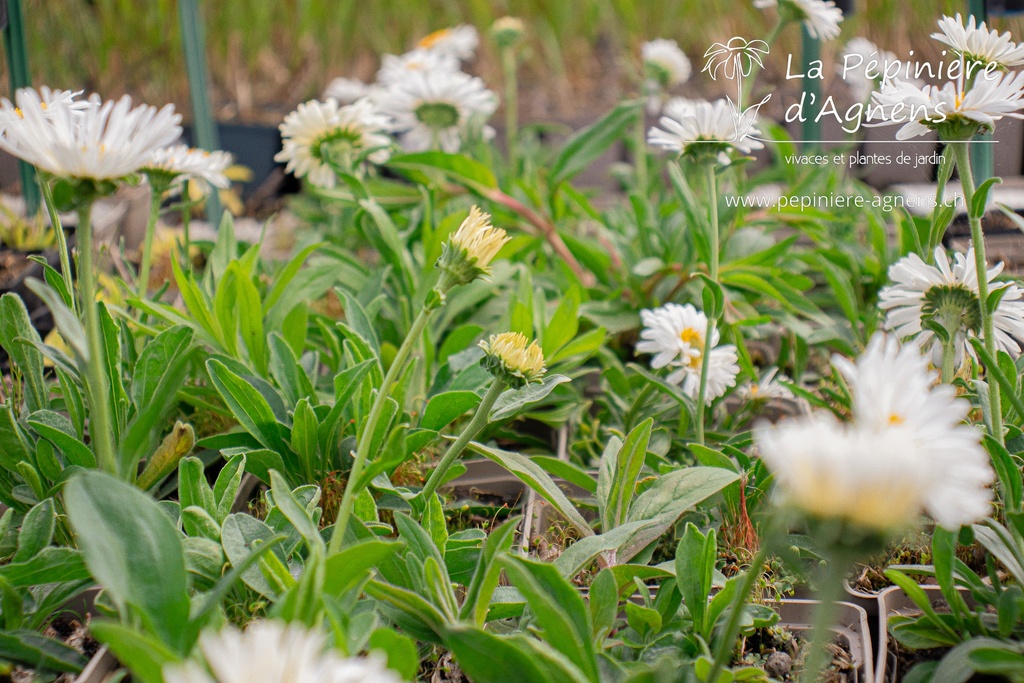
(18, 74)
(811, 128)
(204, 128)
(981, 154)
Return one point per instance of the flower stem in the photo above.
(478, 422)
(713, 241)
(749, 81)
(100, 430)
(963, 164)
(824, 617)
(147, 244)
(640, 153)
(363, 448)
(186, 217)
(58, 231)
(732, 627)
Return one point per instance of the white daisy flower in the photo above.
(906, 451)
(976, 43)
(346, 90)
(43, 99)
(768, 387)
(676, 336)
(97, 141)
(459, 41)
(317, 129)
(712, 128)
(820, 17)
(178, 162)
(435, 109)
(949, 109)
(665, 62)
(665, 66)
(395, 68)
(948, 294)
(275, 652)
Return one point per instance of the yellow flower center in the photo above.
(434, 38)
(696, 341)
(895, 419)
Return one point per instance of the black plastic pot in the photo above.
(251, 146)
(996, 8)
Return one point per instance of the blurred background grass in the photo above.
(267, 55)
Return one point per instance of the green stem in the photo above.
(58, 231)
(949, 361)
(640, 153)
(363, 448)
(100, 430)
(714, 242)
(186, 216)
(963, 163)
(727, 644)
(824, 618)
(474, 427)
(508, 66)
(147, 244)
(749, 82)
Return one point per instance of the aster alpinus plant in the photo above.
(465, 257)
(89, 149)
(984, 92)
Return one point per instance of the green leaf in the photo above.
(457, 167)
(346, 568)
(128, 542)
(537, 479)
(557, 610)
(590, 143)
(241, 535)
(49, 565)
(145, 655)
(487, 574)
(513, 400)
(400, 651)
(159, 373)
(695, 565)
(38, 652)
(15, 324)
(980, 200)
(487, 658)
(680, 490)
(58, 429)
(36, 531)
(628, 462)
(247, 405)
(443, 408)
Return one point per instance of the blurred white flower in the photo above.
(713, 128)
(906, 451)
(769, 386)
(459, 41)
(178, 162)
(395, 68)
(820, 17)
(317, 133)
(87, 140)
(346, 90)
(676, 336)
(275, 652)
(666, 62)
(948, 294)
(949, 109)
(436, 109)
(976, 43)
